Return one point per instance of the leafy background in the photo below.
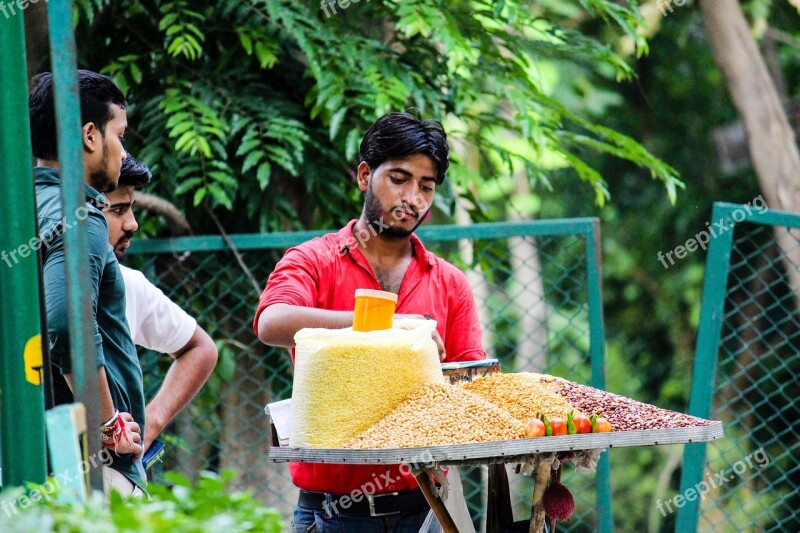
(252, 111)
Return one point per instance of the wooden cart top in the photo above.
(509, 451)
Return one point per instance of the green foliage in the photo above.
(651, 312)
(207, 505)
(255, 110)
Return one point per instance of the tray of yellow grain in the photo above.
(483, 421)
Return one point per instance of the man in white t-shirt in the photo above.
(155, 321)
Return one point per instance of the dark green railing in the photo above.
(21, 404)
(83, 352)
(745, 374)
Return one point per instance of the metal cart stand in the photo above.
(541, 450)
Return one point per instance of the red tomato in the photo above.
(558, 425)
(603, 425)
(582, 424)
(534, 428)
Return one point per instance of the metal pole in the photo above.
(706, 353)
(22, 445)
(594, 276)
(76, 243)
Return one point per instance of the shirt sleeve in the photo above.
(464, 340)
(294, 281)
(156, 322)
(55, 290)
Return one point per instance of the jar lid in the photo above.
(372, 293)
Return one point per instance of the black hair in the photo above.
(134, 173)
(97, 94)
(399, 135)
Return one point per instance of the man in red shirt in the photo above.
(402, 161)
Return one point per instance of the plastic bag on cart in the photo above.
(453, 495)
(345, 381)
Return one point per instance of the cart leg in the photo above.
(544, 467)
(425, 482)
(498, 507)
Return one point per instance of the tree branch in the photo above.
(176, 222)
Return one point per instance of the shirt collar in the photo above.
(49, 176)
(346, 243)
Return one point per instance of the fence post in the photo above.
(712, 312)
(21, 401)
(605, 519)
(83, 352)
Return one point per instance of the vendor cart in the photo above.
(539, 452)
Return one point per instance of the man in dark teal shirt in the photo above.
(120, 377)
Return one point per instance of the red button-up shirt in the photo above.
(324, 273)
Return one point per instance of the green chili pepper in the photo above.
(571, 429)
(548, 431)
(593, 418)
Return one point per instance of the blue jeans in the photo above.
(309, 521)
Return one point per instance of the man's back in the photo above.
(155, 321)
(115, 349)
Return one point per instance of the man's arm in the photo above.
(106, 403)
(134, 445)
(279, 322)
(186, 376)
(295, 280)
(464, 340)
(158, 324)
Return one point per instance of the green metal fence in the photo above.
(537, 285)
(21, 405)
(746, 367)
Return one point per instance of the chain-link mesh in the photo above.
(754, 472)
(532, 299)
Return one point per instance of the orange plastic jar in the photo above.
(374, 310)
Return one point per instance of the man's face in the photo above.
(399, 193)
(106, 161)
(121, 222)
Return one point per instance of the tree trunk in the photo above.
(771, 140)
(477, 281)
(37, 44)
(529, 290)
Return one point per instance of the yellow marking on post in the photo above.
(33, 360)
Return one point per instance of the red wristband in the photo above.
(112, 435)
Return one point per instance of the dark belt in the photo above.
(367, 504)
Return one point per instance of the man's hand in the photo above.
(439, 344)
(131, 441)
(434, 335)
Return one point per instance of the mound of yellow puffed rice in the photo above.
(440, 414)
(525, 395)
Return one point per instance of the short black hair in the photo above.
(97, 94)
(399, 135)
(134, 173)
